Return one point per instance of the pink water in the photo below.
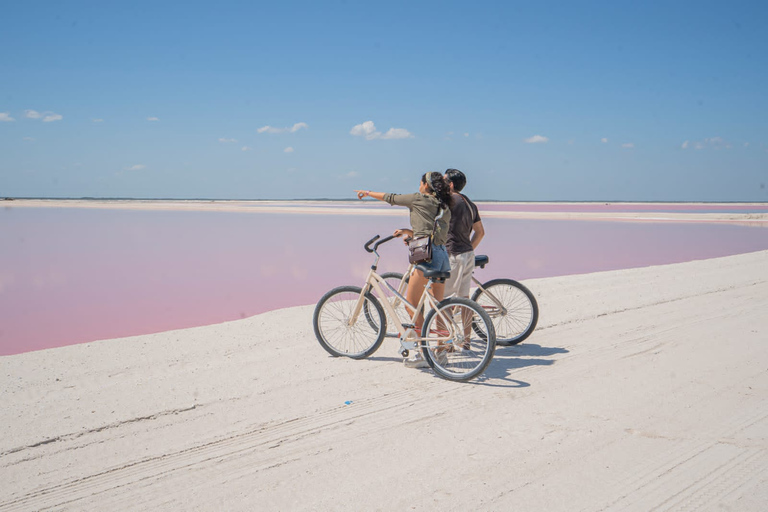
(75, 275)
(630, 207)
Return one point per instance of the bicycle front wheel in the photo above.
(450, 345)
(514, 311)
(340, 334)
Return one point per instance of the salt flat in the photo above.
(641, 389)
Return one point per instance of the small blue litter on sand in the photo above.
(348, 402)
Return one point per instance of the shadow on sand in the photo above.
(507, 359)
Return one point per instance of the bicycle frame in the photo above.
(502, 310)
(374, 282)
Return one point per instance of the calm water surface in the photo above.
(73, 275)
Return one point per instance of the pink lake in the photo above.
(70, 275)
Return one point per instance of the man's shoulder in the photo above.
(472, 206)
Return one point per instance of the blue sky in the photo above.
(613, 100)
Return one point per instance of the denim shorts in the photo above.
(440, 261)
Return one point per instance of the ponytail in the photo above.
(440, 187)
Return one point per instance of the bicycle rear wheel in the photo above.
(337, 335)
(515, 317)
(453, 349)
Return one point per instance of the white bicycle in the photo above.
(457, 338)
(510, 305)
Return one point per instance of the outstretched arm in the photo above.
(367, 193)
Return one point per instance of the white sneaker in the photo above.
(416, 361)
(441, 357)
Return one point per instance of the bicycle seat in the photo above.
(481, 261)
(433, 274)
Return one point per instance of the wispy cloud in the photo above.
(289, 149)
(628, 145)
(30, 139)
(604, 140)
(536, 139)
(97, 120)
(293, 129)
(225, 140)
(136, 167)
(153, 119)
(369, 131)
(708, 143)
(245, 148)
(6, 117)
(46, 116)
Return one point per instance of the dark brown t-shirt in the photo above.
(464, 214)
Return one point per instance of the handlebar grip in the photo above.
(369, 242)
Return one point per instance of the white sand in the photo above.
(642, 389)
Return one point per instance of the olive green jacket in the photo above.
(424, 208)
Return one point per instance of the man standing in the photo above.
(464, 234)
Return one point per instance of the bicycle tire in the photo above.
(333, 332)
(520, 315)
(464, 356)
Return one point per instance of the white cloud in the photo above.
(47, 116)
(31, 139)
(604, 140)
(289, 149)
(225, 140)
(5, 116)
(97, 120)
(536, 139)
(628, 145)
(746, 144)
(136, 167)
(368, 130)
(397, 133)
(352, 174)
(153, 119)
(466, 134)
(245, 148)
(293, 129)
(711, 142)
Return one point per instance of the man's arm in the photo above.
(478, 232)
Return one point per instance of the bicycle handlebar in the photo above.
(369, 242)
(382, 241)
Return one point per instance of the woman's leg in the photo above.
(415, 289)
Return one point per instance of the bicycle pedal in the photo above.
(409, 326)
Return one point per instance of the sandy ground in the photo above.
(642, 389)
